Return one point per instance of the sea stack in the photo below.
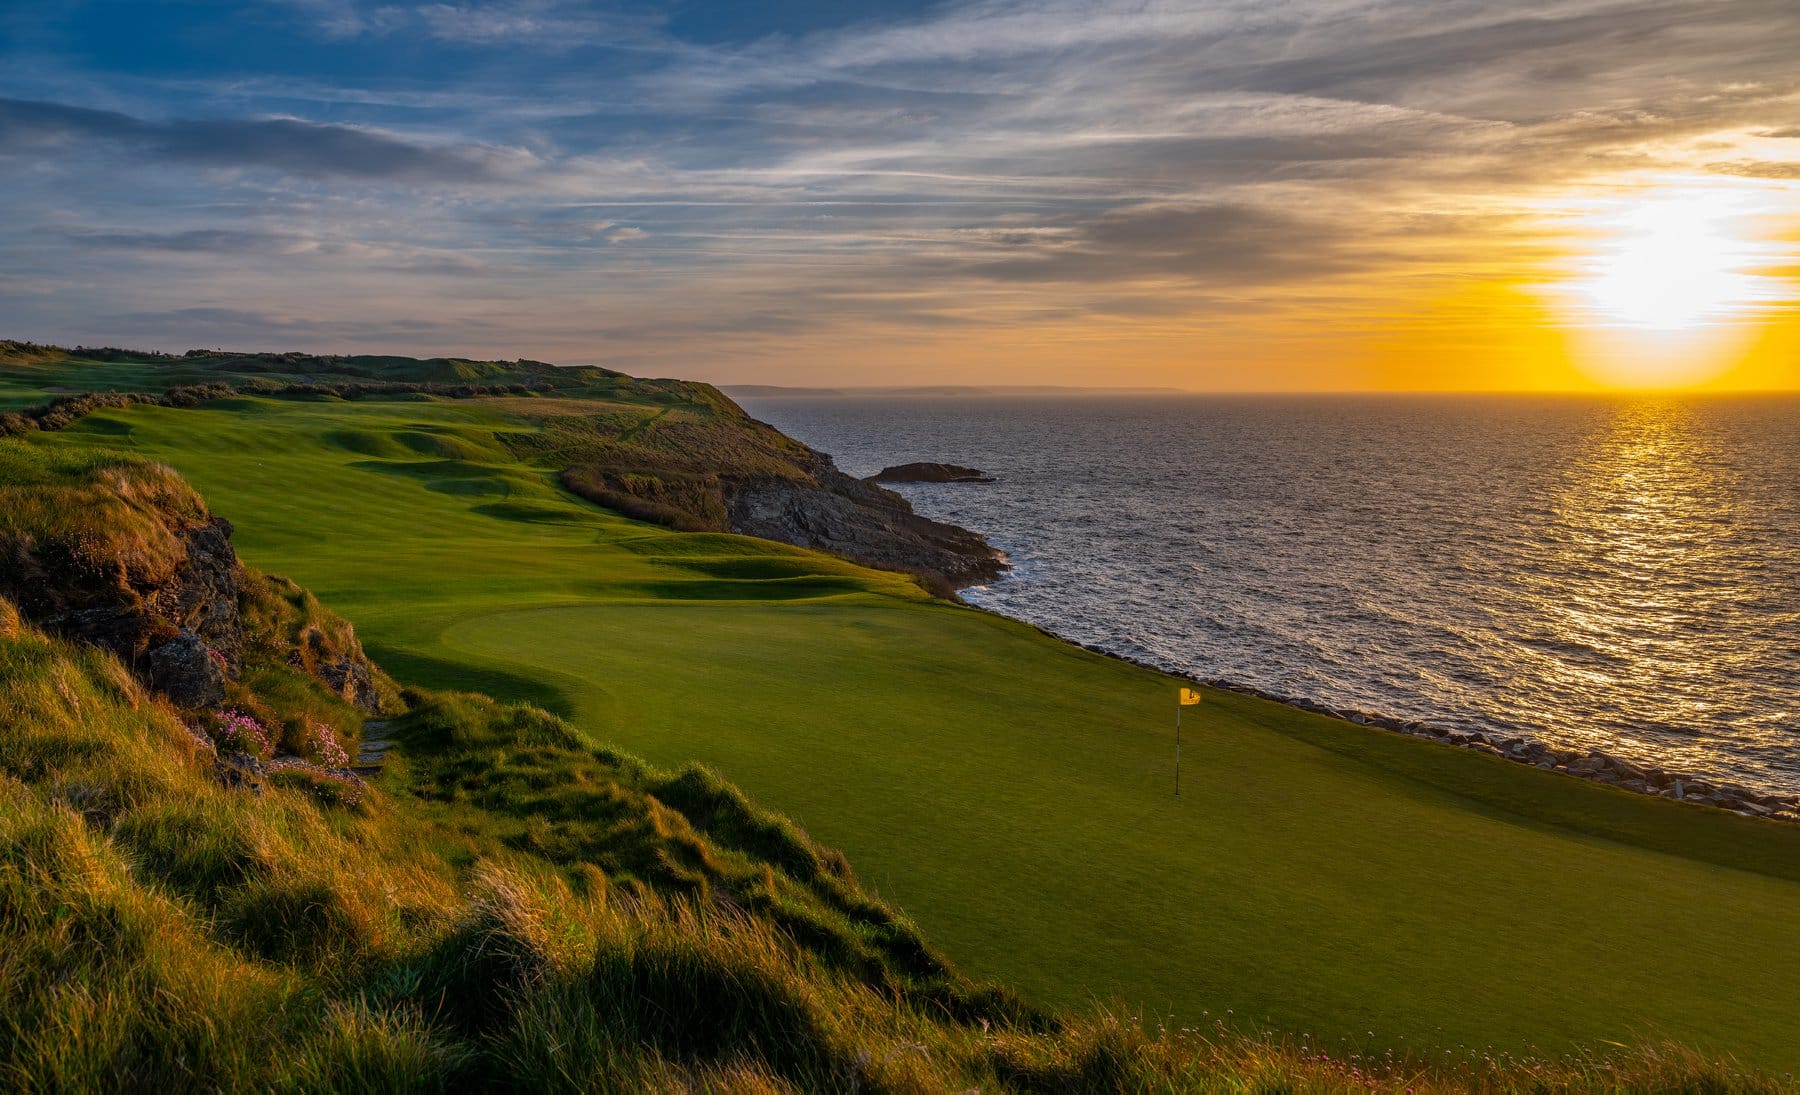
(930, 473)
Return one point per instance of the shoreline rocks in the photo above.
(869, 524)
(1592, 765)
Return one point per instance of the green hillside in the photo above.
(1008, 791)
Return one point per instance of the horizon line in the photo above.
(877, 390)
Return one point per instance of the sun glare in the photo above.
(1667, 278)
(1674, 262)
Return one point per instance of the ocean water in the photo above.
(1620, 573)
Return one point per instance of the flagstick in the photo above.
(1178, 747)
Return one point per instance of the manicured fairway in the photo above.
(1011, 792)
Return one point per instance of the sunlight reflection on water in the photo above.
(1649, 571)
(1613, 572)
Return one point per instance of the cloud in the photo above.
(294, 252)
(1759, 169)
(535, 22)
(282, 144)
(1007, 165)
(1209, 243)
(344, 19)
(192, 241)
(548, 24)
(213, 325)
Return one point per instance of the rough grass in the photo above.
(108, 520)
(522, 778)
(294, 642)
(685, 501)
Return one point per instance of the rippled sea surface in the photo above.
(1620, 573)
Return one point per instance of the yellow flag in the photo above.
(1189, 697)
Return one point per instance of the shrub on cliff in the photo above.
(289, 629)
(683, 501)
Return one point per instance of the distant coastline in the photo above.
(775, 391)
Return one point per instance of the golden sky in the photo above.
(1228, 195)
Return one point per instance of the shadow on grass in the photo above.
(419, 669)
(1548, 802)
(535, 513)
(765, 589)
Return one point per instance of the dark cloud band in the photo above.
(285, 145)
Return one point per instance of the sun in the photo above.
(1664, 279)
(1673, 262)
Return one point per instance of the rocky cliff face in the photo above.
(126, 557)
(726, 472)
(856, 519)
(181, 631)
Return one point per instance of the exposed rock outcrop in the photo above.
(344, 672)
(125, 557)
(927, 472)
(207, 589)
(185, 670)
(167, 617)
(241, 771)
(861, 521)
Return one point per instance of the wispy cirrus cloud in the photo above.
(287, 145)
(226, 324)
(543, 24)
(201, 241)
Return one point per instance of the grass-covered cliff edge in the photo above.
(514, 901)
(672, 452)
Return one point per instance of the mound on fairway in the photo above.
(1011, 792)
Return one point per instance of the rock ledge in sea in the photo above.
(926, 472)
(872, 525)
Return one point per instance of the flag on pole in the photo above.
(1186, 697)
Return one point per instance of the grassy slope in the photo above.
(1011, 792)
(164, 933)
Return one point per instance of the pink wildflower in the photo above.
(237, 732)
(326, 747)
